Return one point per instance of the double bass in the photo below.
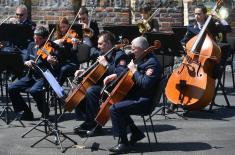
(120, 90)
(192, 84)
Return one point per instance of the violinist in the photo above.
(115, 63)
(90, 25)
(146, 75)
(215, 26)
(66, 54)
(145, 12)
(34, 79)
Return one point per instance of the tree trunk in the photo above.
(28, 4)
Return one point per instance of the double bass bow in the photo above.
(121, 89)
(192, 84)
(90, 77)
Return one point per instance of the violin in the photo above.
(69, 35)
(45, 51)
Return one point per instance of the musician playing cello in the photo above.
(34, 79)
(214, 27)
(115, 63)
(146, 74)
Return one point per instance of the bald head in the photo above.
(140, 42)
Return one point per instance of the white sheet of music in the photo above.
(54, 84)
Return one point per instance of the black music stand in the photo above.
(76, 27)
(60, 96)
(11, 63)
(18, 34)
(123, 31)
(179, 31)
(170, 47)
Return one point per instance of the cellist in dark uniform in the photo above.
(146, 74)
(115, 63)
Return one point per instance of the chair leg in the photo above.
(151, 121)
(232, 75)
(223, 78)
(147, 132)
(29, 103)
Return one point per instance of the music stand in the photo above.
(60, 95)
(11, 62)
(18, 34)
(75, 27)
(179, 31)
(170, 47)
(123, 31)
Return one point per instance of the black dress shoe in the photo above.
(120, 148)
(84, 127)
(27, 116)
(136, 137)
(94, 132)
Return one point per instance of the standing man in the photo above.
(215, 26)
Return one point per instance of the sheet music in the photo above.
(54, 84)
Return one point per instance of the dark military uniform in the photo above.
(34, 81)
(214, 28)
(139, 100)
(116, 64)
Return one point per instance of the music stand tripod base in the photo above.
(58, 93)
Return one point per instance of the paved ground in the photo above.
(203, 133)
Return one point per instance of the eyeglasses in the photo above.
(18, 14)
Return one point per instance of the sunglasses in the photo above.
(18, 14)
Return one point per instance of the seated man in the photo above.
(146, 74)
(115, 63)
(33, 79)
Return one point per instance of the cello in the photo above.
(90, 77)
(120, 90)
(192, 84)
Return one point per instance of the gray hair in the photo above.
(22, 7)
(140, 42)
